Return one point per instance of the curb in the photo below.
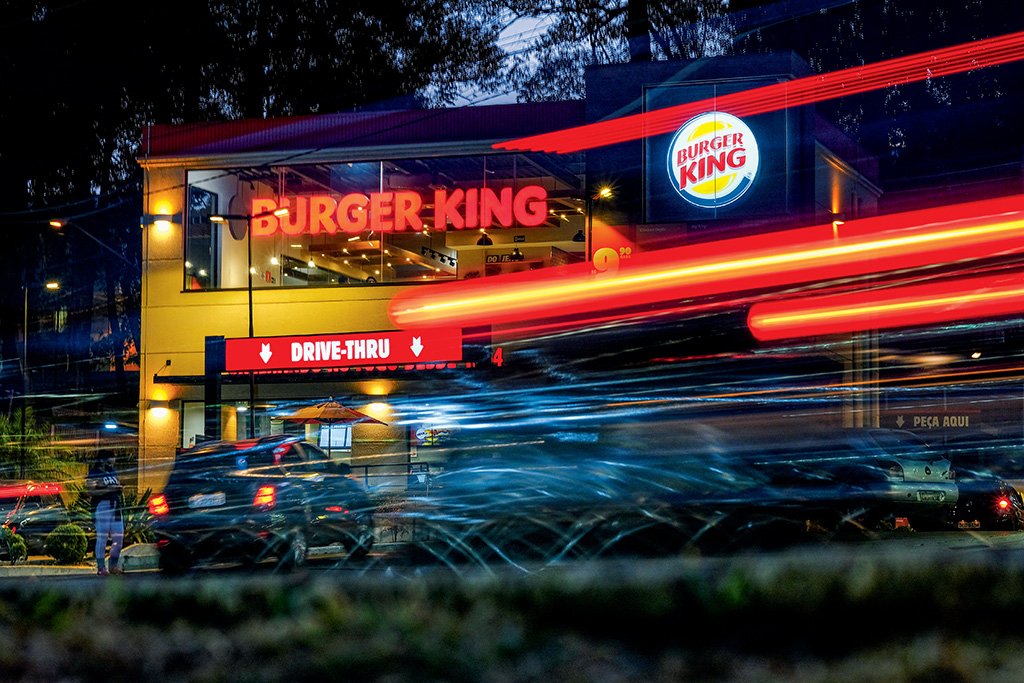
(140, 556)
(41, 568)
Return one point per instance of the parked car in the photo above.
(247, 501)
(987, 503)
(875, 475)
(32, 510)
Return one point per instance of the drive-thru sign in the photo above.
(248, 354)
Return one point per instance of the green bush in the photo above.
(13, 544)
(67, 544)
(135, 513)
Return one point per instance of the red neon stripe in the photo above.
(959, 299)
(800, 91)
(913, 239)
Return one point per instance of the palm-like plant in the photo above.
(30, 454)
(137, 519)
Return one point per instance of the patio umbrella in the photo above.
(329, 413)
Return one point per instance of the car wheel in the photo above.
(175, 559)
(360, 545)
(295, 552)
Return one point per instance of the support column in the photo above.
(215, 366)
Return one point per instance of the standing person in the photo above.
(105, 488)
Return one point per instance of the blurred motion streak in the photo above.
(1001, 374)
(937, 302)
(946, 234)
(617, 319)
(801, 91)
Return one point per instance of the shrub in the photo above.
(135, 513)
(67, 544)
(13, 544)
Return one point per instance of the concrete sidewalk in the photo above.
(141, 556)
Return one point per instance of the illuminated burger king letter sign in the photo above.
(712, 160)
(400, 211)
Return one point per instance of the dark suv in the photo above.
(247, 501)
(32, 510)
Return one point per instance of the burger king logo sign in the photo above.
(713, 160)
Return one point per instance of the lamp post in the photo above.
(52, 286)
(604, 192)
(249, 218)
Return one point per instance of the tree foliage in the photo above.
(921, 132)
(30, 454)
(549, 64)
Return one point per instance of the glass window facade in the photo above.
(398, 221)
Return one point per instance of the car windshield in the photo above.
(207, 459)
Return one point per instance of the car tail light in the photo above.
(1002, 503)
(158, 505)
(265, 497)
(336, 508)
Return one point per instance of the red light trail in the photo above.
(936, 302)
(925, 237)
(800, 91)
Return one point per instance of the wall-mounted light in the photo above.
(161, 221)
(53, 285)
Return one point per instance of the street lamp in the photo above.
(52, 286)
(249, 218)
(603, 192)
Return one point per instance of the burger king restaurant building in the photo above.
(273, 249)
